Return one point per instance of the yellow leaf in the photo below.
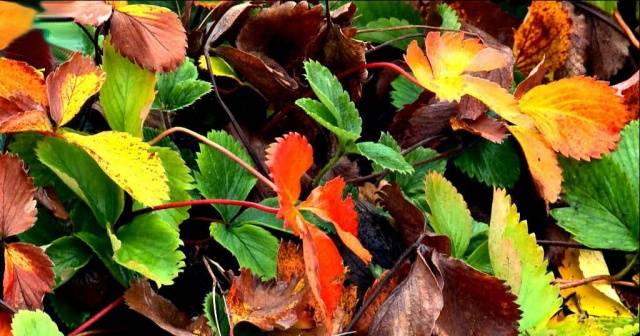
(580, 117)
(545, 31)
(15, 20)
(127, 161)
(542, 162)
(597, 299)
(70, 85)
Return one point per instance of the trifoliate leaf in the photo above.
(179, 88)
(603, 197)
(449, 214)
(403, 92)
(384, 156)
(221, 177)
(29, 323)
(517, 259)
(449, 16)
(496, 165)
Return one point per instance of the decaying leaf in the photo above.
(409, 220)
(545, 33)
(488, 16)
(419, 120)
(18, 206)
(28, 275)
(485, 126)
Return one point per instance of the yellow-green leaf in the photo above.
(128, 161)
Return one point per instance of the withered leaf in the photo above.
(17, 203)
(630, 91)
(94, 12)
(485, 126)
(143, 299)
(230, 19)
(421, 120)
(489, 17)
(28, 275)
(49, 199)
(409, 220)
(607, 49)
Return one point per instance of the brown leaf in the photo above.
(534, 79)
(414, 306)
(343, 15)
(607, 49)
(282, 33)
(484, 126)
(475, 303)
(92, 13)
(421, 120)
(143, 299)
(49, 199)
(17, 203)
(200, 327)
(28, 275)
(270, 79)
(268, 305)
(409, 220)
(290, 262)
(575, 65)
(488, 16)
(630, 91)
(229, 20)
(150, 36)
(33, 49)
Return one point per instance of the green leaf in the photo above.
(127, 94)
(403, 92)
(83, 175)
(606, 5)
(372, 10)
(179, 88)
(101, 246)
(384, 156)
(603, 197)
(219, 67)
(449, 16)
(261, 218)
(496, 165)
(211, 312)
(477, 254)
(413, 184)
(68, 311)
(449, 214)
(67, 35)
(149, 246)
(517, 259)
(339, 111)
(29, 323)
(387, 35)
(180, 182)
(68, 254)
(254, 247)
(576, 325)
(220, 177)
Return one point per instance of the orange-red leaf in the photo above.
(579, 117)
(70, 85)
(17, 202)
(288, 159)
(150, 36)
(20, 113)
(5, 323)
(20, 77)
(15, 20)
(542, 162)
(545, 32)
(327, 203)
(85, 12)
(208, 4)
(28, 275)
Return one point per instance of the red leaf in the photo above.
(17, 203)
(150, 36)
(92, 13)
(28, 275)
(5, 324)
(33, 49)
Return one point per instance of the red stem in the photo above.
(113, 305)
(381, 65)
(245, 204)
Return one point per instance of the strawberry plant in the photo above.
(322, 167)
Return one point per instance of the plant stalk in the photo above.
(208, 201)
(332, 162)
(104, 311)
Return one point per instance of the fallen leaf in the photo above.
(420, 120)
(579, 117)
(229, 20)
(18, 206)
(485, 126)
(489, 17)
(607, 49)
(15, 20)
(535, 78)
(542, 161)
(409, 220)
(28, 275)
(70, 85)
(141, 298)
(576, 62)
(90, 12)
(545, 32)
(148, 35)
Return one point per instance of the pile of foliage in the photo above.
(285, 168)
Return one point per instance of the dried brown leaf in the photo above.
(229, 20)
(421, 120)
(489, 17)
(485, 126)
(409, 220)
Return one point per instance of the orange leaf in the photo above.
(546, 32)
(288, 159)
(542, 162)
(70, 85)
(17, 202)
(92, 12)
(579, 117)
(324, 271)
(15, 20)
(208, 4)
(20, 77)
(150, 36)
(327, 203)
(20, 113)
(28, 275)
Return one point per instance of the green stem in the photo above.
(332, 162)
(627, 268)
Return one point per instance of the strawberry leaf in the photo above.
(18, 206)
(404, 92)
(496, 165)
(28, 323)
(386, 35)
(28, 275)
(101, 246)
(179, 88)
(384, 156)
(606, 189)
(68, 254)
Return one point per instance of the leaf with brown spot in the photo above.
(28, 275)
(17, 203)
(151, 36)
(545, 32)
(92, 13)
(143, 299)
(409, 219)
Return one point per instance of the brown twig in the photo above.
(565, 284)
(567, 244)
(375, 30)
(399, 38)
(104, 311)
(209, 201)
(627, 31)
